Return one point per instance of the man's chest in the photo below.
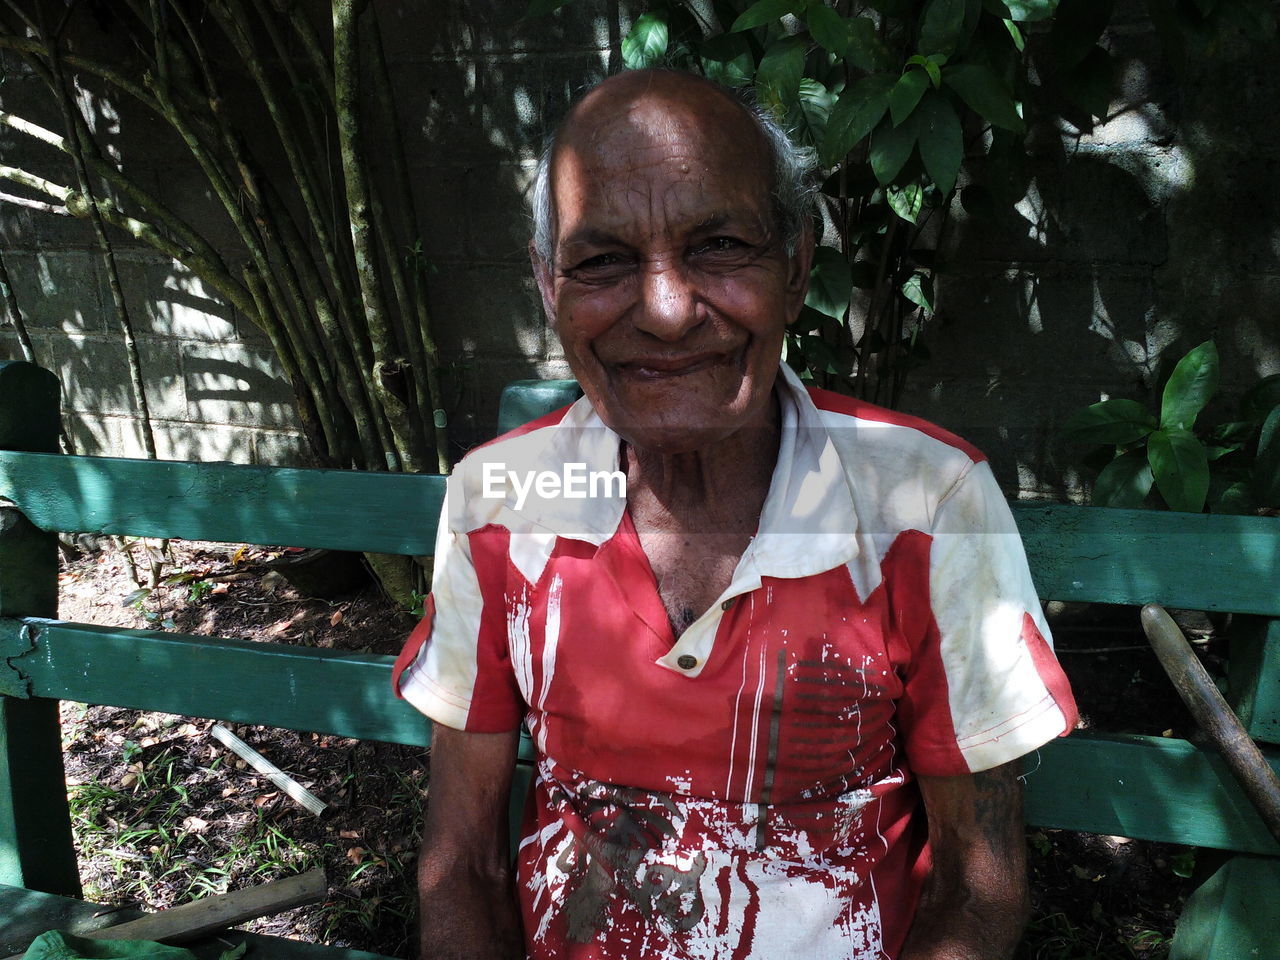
(788, 693)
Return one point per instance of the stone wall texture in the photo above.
(1138, 239)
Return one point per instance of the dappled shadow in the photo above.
(475, 87)
(1136, 240)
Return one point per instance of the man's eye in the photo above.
(601, 261)
(720, 245)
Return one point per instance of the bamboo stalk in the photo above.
(134, 360)
(13, 313)
(296, 791)
(347, 93)
(417, 318)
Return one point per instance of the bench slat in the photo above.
(1149, 788)
(1199, 561)
(1195, 561)
(1145, 787)
(299, 688)
(229, 503)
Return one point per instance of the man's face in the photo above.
(669, 288)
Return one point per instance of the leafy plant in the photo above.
(1233, 466)
(904, 103)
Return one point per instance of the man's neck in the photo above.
(730, 475)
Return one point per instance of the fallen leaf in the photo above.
(336, 618)
(349, 834)
(264, 798)
(219, 589)
(128, 780)
(195, 825)
(356, 855)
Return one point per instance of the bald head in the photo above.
(639, 112)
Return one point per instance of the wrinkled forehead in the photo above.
(672, 132)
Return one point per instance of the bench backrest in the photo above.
(1143, 787)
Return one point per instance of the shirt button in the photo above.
(728, 603)
(687, 662)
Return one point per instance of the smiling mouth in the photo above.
(663, 368)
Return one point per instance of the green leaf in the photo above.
(1192, 383)
(539, 8)
(779, 74)
(1258, 401)
(866, 49)
(1124, 482)
(236, 952)
(830, 283)
(828, 28)
(1110, 421)
(1266, 468)
(1077, 25)
(906, 201)
(1019, 41)
(815, 109)
(941, 26)
(855, 115)
(135, 596)
(646, 42)
(918, 288)
(727, 59)
(906, 93)
(764, 11)
(890, 148)
(941, 141)
(1181, 469)
(984, 94)
(1236, 498)
(1090, 83)
(934, 71)
(1232, 430)
(1030, 11)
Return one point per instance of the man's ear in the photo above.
(798, 267)
(542, 276)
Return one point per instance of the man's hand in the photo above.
(974, 904)
(466, 897)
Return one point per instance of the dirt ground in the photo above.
(166, 813)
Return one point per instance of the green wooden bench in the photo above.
(1141, 787)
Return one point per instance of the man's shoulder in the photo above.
(892, 427)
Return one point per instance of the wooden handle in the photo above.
(1214, 715)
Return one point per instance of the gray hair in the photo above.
(793, 188)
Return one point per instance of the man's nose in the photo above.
(669, 302)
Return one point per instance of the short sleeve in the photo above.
(988, 688)
(455, 667)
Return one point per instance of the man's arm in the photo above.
(974, 904)
(466, 896)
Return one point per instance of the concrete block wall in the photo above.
(1138, 239)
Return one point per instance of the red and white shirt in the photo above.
(743, 791)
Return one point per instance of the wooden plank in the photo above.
(1149, 788)
(230, 503)
(24, 914)
(1235, 914)
(344, 693)
(1254, 676)
(1196, 561)
(211, 914)
(36, 846)
(525, 400)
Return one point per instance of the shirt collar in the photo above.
(808, 523)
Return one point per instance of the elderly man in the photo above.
(779, 684)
